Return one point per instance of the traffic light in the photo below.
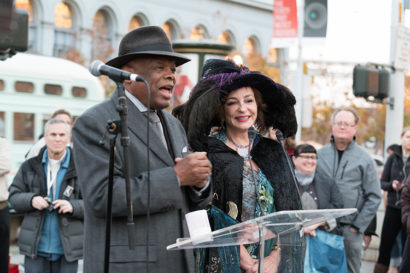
(315, 19)
(15, 39)
(371, 81)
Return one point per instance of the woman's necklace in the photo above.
(243, 150)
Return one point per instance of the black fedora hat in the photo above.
(147, 40)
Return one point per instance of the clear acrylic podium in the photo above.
(284, 226)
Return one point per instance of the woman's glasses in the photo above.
(312, 157)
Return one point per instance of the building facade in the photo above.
(84, 30)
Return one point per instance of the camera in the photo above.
(51, 206)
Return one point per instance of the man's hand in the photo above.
(193, 170)
(352, 229)
(367, 239)
(39, 202)
(63, 206)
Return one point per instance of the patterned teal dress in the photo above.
(257, 200)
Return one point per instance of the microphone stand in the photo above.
(279, 136)
(115, 127)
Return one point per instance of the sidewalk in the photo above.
(367, 267)
(16, 258)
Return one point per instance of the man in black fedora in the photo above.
(177, 183)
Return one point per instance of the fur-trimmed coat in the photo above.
(227, 167)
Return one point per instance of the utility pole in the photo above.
(299, 72)
(395, 112)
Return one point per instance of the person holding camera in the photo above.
(46, 190)
(395, 173)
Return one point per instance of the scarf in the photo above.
(304, 179)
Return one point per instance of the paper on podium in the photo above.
(274, 225)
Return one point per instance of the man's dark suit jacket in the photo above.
(169, 201)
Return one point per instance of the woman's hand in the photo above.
(396, 185)
(270, 263)
(247, 262)
(310, 230)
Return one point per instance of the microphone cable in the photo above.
(148, 213)
(279, 136)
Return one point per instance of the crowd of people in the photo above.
(219, 153)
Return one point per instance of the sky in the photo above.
(358, 31)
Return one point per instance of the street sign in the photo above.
(402, 49)
(285, 23)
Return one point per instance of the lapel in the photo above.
(137, 125)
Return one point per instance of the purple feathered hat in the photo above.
(219, 78)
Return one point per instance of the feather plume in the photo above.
(201, 113)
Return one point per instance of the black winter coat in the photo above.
(227, 167)
(394, 169)
(31, 181)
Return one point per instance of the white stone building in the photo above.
(92, 29)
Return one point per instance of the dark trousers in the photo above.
(405, 262)
(391, 227)
(4, 239)
(42, 265)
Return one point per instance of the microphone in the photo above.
(98, 68)
(279, 136)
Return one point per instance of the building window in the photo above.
(172, 29)
(53, 89)
(2, 125)
(1, 85)
(23, 127)
(25, 87)
(28, 6)
(138, 20)
(62, 16)
(227, 38)
(273, 55)
(199, 33)
(102, 36)
(249, 47)
(135, 22)
(64, 32)
(79, 92)
(168, 30)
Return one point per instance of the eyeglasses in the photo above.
(313, 157)
(341, 124)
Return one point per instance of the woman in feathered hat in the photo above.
(250, 175)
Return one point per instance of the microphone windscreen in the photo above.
(95, 68)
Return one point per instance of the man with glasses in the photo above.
(355, 174)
